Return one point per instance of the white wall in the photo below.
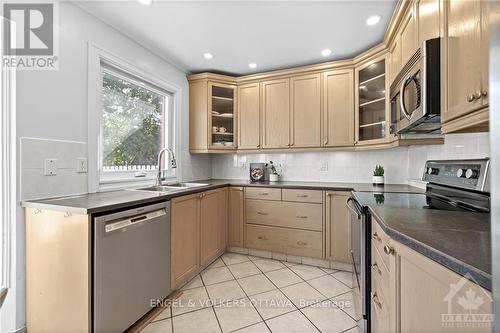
(52, 105)
(401, 164)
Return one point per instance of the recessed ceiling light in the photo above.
(252, 65)
(326, 52)
(207, 55)
(145, 2)
(372, 20)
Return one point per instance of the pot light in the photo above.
(252, 65)
(145, 2)
(326, 52)
(372, 20)
(207, 55)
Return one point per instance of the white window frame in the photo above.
(98, 57)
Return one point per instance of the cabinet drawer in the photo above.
(379, 241)
(263, 193)
(380, 273)
(285, 214)
(381, 320)
(289, 241)
(302, 195)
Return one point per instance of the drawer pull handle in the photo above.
(375, 266)
(263, 193)
(376, 237)
(388, 249)
(262, 237)
(302, 196)
(262, 213)
(376, 300)
(301, 216)
(301, 243)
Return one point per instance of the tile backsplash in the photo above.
(401, 164)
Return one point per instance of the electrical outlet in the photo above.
(50, 167)
(81, 166)
(324, 166)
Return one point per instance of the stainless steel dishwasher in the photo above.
(131, 265)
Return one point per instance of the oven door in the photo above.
(411, 102)
(358, 259)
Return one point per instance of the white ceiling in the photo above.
(273, 34)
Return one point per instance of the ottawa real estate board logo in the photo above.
(29, 35)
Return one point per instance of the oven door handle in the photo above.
(405, 84)
(352, 209)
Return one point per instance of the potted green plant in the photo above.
(378, 175)
(274, 172)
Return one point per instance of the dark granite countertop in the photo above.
(457, 240)
(92, 203)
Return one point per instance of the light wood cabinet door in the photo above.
(209, 226)
(408, 37)
(428, 14)
(432, 297)
(185, 237)
(463, 60)
(394, 59)
(338, 108)
(223, 197)
(249, 116)
(338, 227)
(236, 217)
(305, 111)
(276, 113)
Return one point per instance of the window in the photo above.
(135, 124)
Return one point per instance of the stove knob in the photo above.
(461, 173)
(432, 171)
(471, 174)
(429, 171)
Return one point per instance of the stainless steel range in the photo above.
(459, 185)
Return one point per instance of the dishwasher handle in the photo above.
(127, 222)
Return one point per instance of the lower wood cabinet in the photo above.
(235, 223)
(198, 231)
(338, 227)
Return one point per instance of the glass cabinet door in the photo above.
(222, 116)
(372, 102)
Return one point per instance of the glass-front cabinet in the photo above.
(222, 116)
(371, 102)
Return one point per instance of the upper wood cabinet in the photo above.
(276, 113)
(305, 107)
(338, 108)
(465, 70)
(338, 227)
(235, 223)
(428, 20)
(408, 36)
(249, 116)
(394, 59)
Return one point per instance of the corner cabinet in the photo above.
(338, 227)
(372, 111)
(249, 116)
(236, 222)
(212, 116)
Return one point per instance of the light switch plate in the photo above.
(50, 167)
(81, 165)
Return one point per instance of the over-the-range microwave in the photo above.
(416, 92)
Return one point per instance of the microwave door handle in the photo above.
(402, 96)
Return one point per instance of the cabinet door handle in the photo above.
(484, 93)
(388, 249)
(301, 216)
(478, 95)
(301, 243)
(376, 237)
(325, 142)
(201, 195)
(375, 266)
(470, 98)
(258, 146)
(262, 213)
(262, 237)
(376, 300)
(302, 196)
(263, 193)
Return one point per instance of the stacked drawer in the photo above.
(381, 268)
(284, 220)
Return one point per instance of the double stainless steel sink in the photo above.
(173, 187)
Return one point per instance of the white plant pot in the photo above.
(378, 180)
(273, 177)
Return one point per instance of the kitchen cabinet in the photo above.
(428, 20)
(223, 205)
(185, 237)
(465, 70)
(210, 231)
(338, 227)
(249, 116)
(338, 108)
(395, 59)
(305, 111)
(408, 36)
(235, 223)
(276, 113)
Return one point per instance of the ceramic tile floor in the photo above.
(245, 294)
